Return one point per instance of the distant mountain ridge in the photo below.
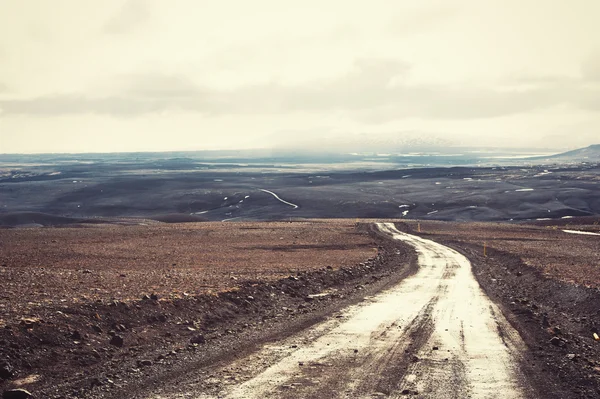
(587, 154)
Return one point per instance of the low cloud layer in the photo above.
(500, 72)
(375, 89)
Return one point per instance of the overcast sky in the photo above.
(141, 75)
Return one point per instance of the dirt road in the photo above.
(434, 335)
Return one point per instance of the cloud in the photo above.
(374, 90)
(590, 68)
(416, 22)
(131, 15)
(162, 86)
(143, 94)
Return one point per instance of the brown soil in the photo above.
(59, 267)
(546, 282)
(64, 348)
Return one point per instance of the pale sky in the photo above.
(142, 75)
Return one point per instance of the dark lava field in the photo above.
(176, 191)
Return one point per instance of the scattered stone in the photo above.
(572, 356)
(29, 323)
(198, 339)
(76, 335)
(145, 363)
(96, 328)
(162, 318)
(545, 321)
(16, 394)
(435, 348)
(557, 331)
(556, 341)
(95, 382)
(117, 341)
(6, 371)
(154, 297)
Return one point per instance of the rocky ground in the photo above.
(548, 284)
(111, 347)
(544, 280)
(57, 268)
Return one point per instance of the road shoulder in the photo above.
(556, 321)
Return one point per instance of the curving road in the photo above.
(434, 335)
(278, 198)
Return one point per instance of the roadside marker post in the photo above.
(484, 249)
(419, 227)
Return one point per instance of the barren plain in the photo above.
(183, 297)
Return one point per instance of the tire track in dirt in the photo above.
(435, 334)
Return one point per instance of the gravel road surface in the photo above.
(433, 335)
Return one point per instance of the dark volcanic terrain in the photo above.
(182, 190)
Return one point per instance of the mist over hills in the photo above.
(378, 155)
